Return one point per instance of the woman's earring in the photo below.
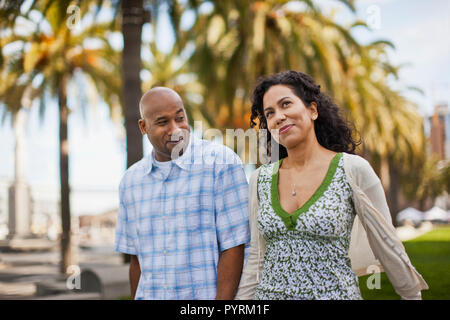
(314, 117)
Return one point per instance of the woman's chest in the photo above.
(330, 214)
(295, 189)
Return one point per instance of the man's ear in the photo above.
(142, 126)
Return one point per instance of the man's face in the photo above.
(165, 123)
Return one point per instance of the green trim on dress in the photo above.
(290, 219)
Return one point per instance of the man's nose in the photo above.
(174, 129)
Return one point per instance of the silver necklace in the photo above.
(293, 193)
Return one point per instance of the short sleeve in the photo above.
(231, 206)
(124, 234)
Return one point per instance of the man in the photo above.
(183, 209)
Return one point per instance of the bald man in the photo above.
(158, 107)
(183, 220)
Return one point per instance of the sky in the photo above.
(420, 31)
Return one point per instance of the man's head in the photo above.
(164, 121)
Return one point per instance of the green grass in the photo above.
(430, 255)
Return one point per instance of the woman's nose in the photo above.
(279, 117)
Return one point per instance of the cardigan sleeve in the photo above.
(387, 247)
(252, 268)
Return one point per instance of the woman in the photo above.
(318, 216)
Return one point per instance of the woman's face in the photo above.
(288, 119)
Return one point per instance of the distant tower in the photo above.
(440, 144)
(440, 131)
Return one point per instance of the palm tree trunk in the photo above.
(394, 190)
(132, 20)
(389, 178)
(66, 239)
(384, 173)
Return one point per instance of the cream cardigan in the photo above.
(373, 235)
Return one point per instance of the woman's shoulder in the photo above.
(255, 174)
(260, 170)
(355, 160)
(268, 166)
(359, 169)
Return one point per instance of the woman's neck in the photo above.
(302, 155)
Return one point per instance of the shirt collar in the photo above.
(184, 161)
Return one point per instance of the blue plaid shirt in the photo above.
(178, 221)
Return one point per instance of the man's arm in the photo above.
(135, 274)
(229, 272)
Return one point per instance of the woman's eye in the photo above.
(268, 113)
(285, 103)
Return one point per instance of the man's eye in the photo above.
(181, 118)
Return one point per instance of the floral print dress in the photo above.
(307, 251)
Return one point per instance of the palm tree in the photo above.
(243, 40)
(172, 70)
(431, 181)
(133, 17)
(390, 125)
(47, 61)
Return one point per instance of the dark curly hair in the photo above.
(333, 132)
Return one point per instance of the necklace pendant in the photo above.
(293, 193)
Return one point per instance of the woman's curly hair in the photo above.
(333, 132)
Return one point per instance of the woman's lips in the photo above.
(286, 128)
